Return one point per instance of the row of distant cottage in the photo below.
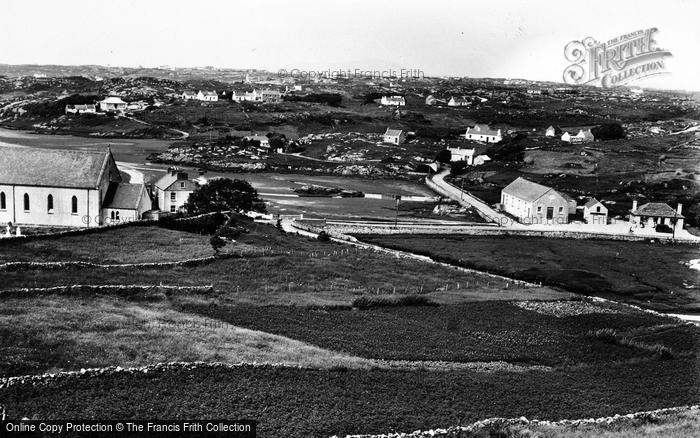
(533, 203)
(266, 96)
(70, 188)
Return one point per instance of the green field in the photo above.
(652, 275)
(485, 347)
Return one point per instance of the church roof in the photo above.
(124, 196)
(24, 166)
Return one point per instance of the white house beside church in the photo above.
(71, 188)
(173, 189)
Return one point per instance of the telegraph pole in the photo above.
(396, 218)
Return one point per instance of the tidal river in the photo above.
(278, 189)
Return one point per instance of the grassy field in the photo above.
(292, 306)
(119, 246)
(292, 270)
(596, 267)
(50, 334)
(319, 403)
(473, 332)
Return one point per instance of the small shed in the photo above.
(594, 212)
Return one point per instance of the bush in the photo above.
(608, 131)
(205, 224)
(366, 302)
(323, 237)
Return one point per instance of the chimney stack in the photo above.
(679, 209)
(634, 205)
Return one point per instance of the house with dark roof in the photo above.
(125, 203)
(533, 203)
(483, 133)
(112, 103)
(653, 214)
(594, 212)
(394, 136)
(173, 189)
(58, 187)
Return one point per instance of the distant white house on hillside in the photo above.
(265, 96)
(550, 132)
(459, 101)
(483, 133)
(263, 140)
(208, 96)
(81, 109)
(393, 100)
(188, 95)
(469, 155)
(394, 136)
(112, 103)
(582, 137)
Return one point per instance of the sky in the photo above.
(495, 38)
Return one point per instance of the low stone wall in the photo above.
(496, 231)
(107, 289)
(163, 367)
(490, 423)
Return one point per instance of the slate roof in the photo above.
(124, 196)
(52, 167)
(167, 180)
(114, 100)
(656, 209)
(393, 132)
(591, 202)
(526, 190)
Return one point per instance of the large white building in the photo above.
(533, 203)
(71, 188)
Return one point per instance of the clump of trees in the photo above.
(330, 99)
(224, 194)
(55, 108)
(608, 131)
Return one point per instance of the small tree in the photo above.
(444, 156)
(224, 194)
(217, 243)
